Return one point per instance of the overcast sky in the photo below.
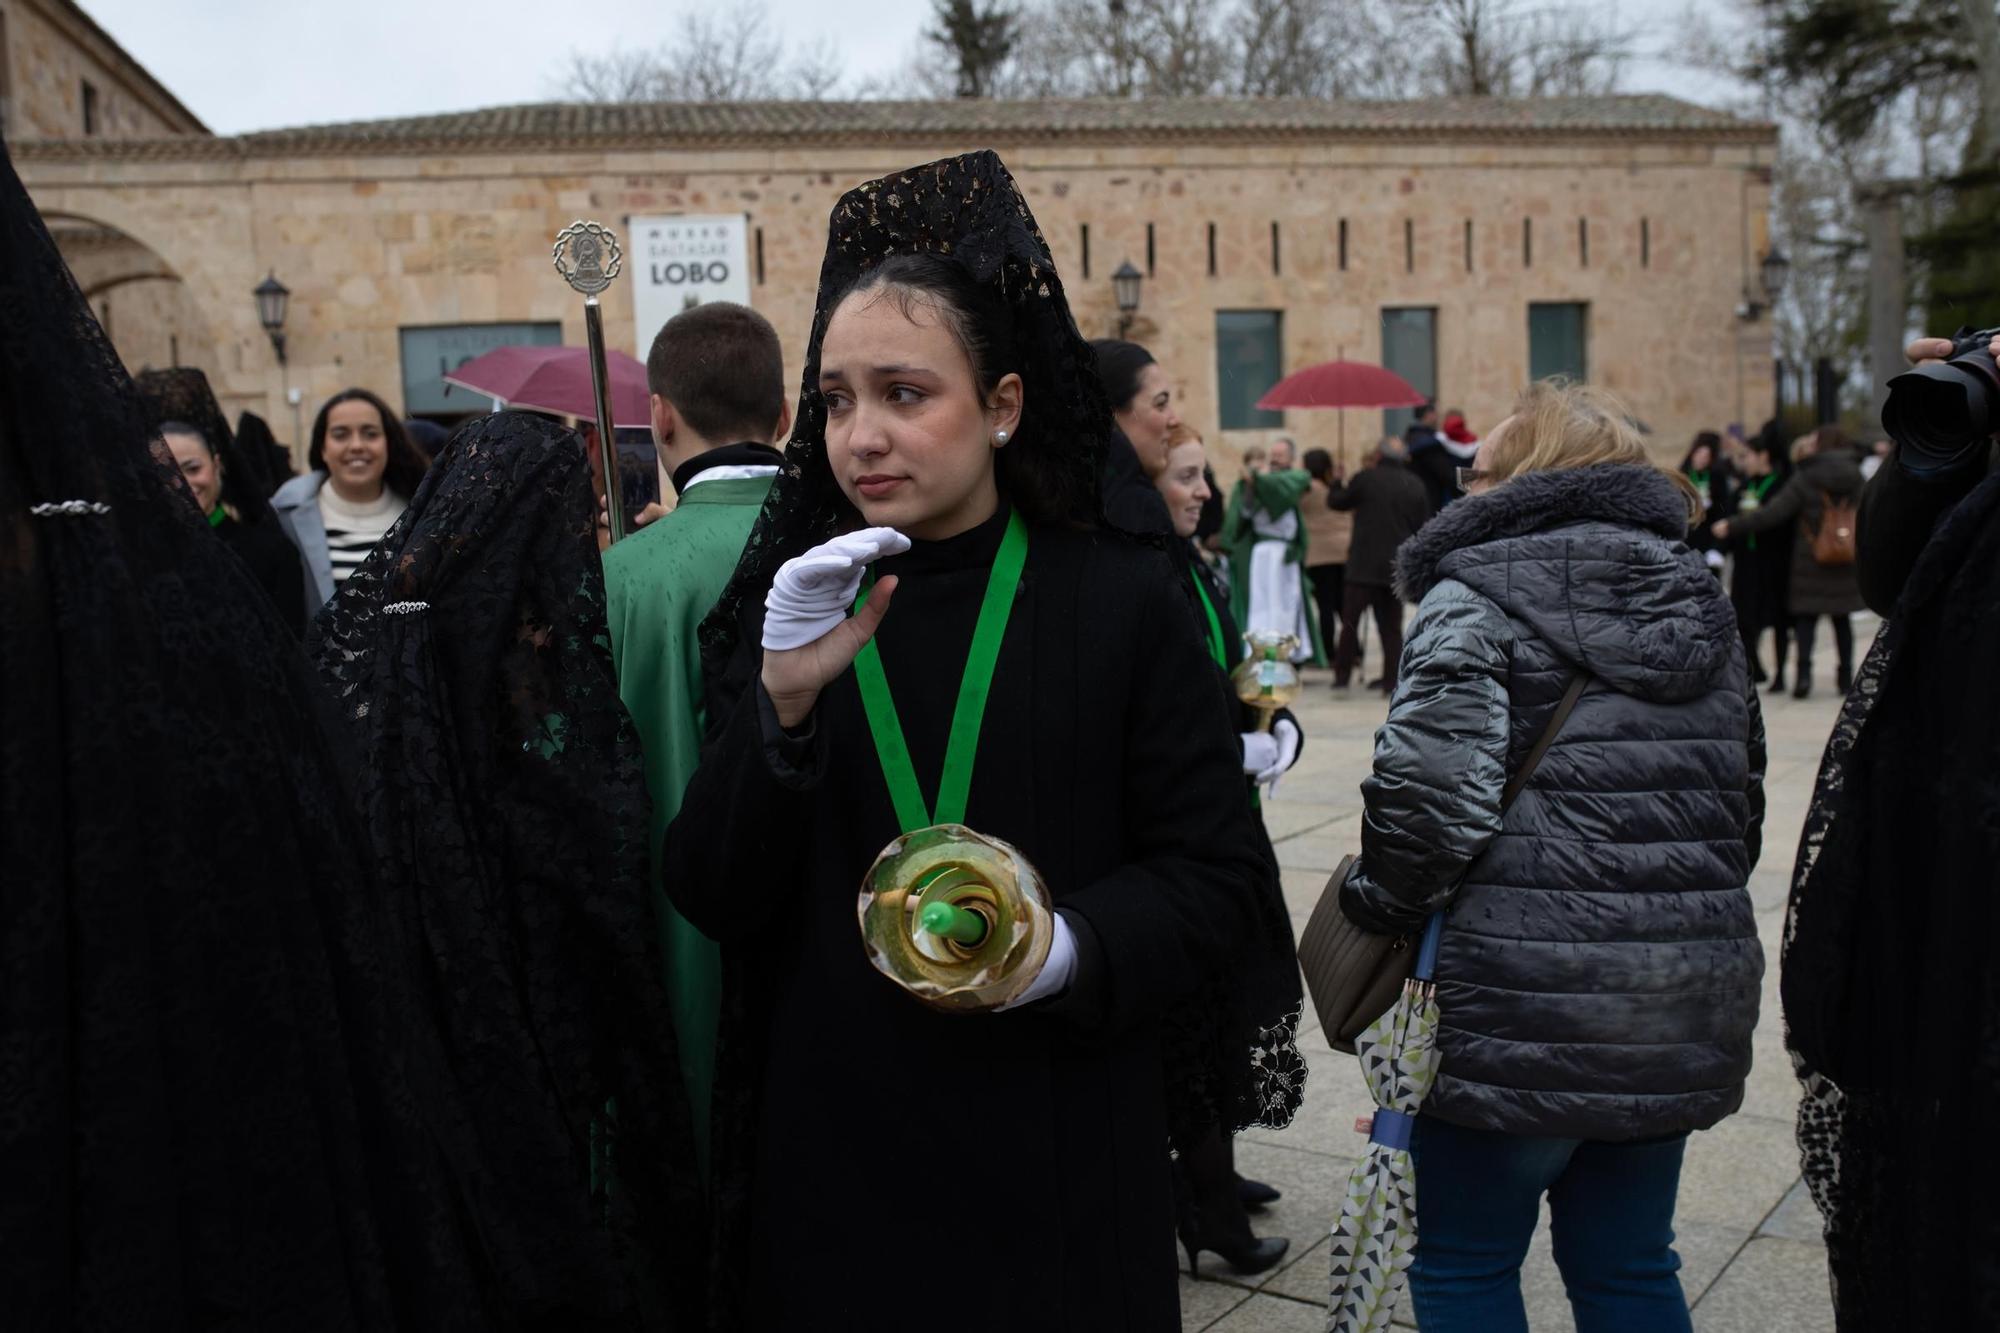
(261, 64)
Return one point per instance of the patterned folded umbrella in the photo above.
(1376, 1236)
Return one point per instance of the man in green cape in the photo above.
(716, 373)
(1266, 539)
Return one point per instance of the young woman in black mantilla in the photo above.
(879, 1164)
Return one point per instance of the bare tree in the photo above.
(1518, 48)
(731, 56)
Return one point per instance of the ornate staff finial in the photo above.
(588, 256)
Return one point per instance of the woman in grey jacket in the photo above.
(1600, 969)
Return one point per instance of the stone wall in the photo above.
(373, 243)
(51, 50)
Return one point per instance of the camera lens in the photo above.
(1937, 411)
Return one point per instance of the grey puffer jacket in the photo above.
(1600, 971)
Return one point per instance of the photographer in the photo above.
(1910, 493)
(1890, 986)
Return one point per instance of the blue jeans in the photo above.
(1611, 1205)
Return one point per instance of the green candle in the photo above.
(952, 922)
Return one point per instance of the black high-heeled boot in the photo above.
(1210, 1216)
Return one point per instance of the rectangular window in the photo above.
(1583, 242)
(1274, 250)
(1409, 347)
(1343, 245)
(760, 256)
(89, 107)
(1468, 245)
(1149, 249)
(1249, 359)
(1083, 239)
(1645, 243)
(1409, 245)
(1211, 249)
(430, 353)
(1558, 340)
(1527, 242)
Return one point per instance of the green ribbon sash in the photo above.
(1215, 643)
(905, 793)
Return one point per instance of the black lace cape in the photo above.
(1236, 1063)
(186, 1116)
(1890, 985)
(183, 394)
(500, 779)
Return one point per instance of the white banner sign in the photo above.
(678, 262)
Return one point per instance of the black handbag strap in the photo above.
(1547, 738)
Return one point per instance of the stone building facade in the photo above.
(1470, 244)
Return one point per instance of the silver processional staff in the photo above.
(588, 257)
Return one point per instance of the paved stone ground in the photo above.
(1749, 1239)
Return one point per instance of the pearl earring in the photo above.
(999, 437)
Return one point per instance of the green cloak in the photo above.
(658, 584)
(1274, 493)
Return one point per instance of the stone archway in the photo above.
(146, 308)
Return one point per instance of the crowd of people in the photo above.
(423, 913)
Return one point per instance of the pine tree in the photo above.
(977, 38)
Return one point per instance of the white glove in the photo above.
(1267, 755)
(1056, 971)
(1260, 751)
(813, 592)
(1714, 558)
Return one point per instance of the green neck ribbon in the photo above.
(1215, 643)
(1002, 584)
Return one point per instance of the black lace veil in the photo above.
(183, 394)
(967, 208)
(468, 661)
(181, 1131)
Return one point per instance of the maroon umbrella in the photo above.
(1341, 384)
(557, 379)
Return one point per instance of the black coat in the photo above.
(1107, 758)
(273, 562)
(1890, 982)
(1813, 589)
(1600, 969)
(1389, 505)
(1760, 575)
(1435, 465)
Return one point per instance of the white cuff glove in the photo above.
(1056, 972)
(1267, 755)
(813, 592)
(1260, 751)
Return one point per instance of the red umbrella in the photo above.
(1341, 384)
(557, 379)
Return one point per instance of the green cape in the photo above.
(1274, 493)
(658, 584)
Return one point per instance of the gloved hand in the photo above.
(1056, 971)
(1260, 752)
(812, 592)
(1266, 755)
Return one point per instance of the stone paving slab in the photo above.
(1748, 1235)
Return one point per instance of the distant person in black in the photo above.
(1389, 505)
(1430, 457)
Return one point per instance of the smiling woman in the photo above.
(364, 469)
(951, 436)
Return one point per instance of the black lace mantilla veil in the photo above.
(1236, 1061)
(1890, 986)
(502, 787)
(181, 1132)
(183, 394)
